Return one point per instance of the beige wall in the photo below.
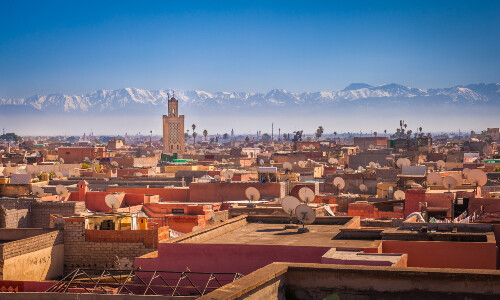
(44, 264)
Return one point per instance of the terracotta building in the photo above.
(173, 129)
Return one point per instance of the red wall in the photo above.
(222, 191)
(462, 255)
(226, 257)
(412, 200)
(166, 195)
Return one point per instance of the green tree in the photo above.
(194, 137)
(11, 137)
(225, 136)
(247, 139)
(497, 169)
(205, 133)
(319, 132)
(266, 137)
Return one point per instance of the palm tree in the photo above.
(319, 132)
(205, 133)
(194, 137)
(193, 126)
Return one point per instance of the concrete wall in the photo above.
(41, 211)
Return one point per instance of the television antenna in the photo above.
(339, 183)
(37, 191)
(62, 191)
(306, 215)
(399, 195)
(306, 194)
(252, 194)
(434, 179)
(440, 164)
(363, 188)
(112, 202)
(450, 183)
(289, 203)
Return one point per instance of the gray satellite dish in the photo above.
(261, 162)
(372, 165)
(287, 166)
(37, 191)
(457, 177)
(306, 194)
(333, 161)
(62, 191)
(228, 174)
(289, 203)
(402, 162)
(363, 188)
(440, 164)
(302, 164)
(450, 183)
(399, 195)
(217, 177)
(114, 164)
(434, 179)
(112, 201)
(252, 194)
(59, 175)
(465, 171)
(306, 215)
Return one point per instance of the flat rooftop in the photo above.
(276, 234)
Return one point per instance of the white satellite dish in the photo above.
(61, 190)
(114, 164)
(360, 168)
(302, 164)
(399, 195)
(217, 177)
(289, 203)
(138, 174)
(305, 214)
(287, 166)
(372, 165)
(61, 160)
(465, 171)
(477, 177)
(37, 191)
(403, 162)
(112, 201)
(261, 162)
(59, 175)
(449, 182)
(457, 177)
(339, 183)
(228, 174)
(434, 179)
(333, 161)
(271, 161)
(440, 164)
(252, 194)
(306, 194)
(363, 188)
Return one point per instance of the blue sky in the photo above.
(69, 47)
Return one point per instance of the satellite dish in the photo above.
(217, 177)
(372, 165)
(37, 191)
(61, 190)
(228, 174)
(271, 161)
(86, 159)
(377, 165)
(363, 188)
(339, 183)
(59, 175)
(465, 171)
(434, 179)
(441, 164)
(114, 164)
(224, 160)
(399, 195)
(252, 194)
(302, 164)
(289, 203)
(261, 162)
(450, 183)
(360, 168)
(112, 201)
(306, 194)
(457, 177)
(305, 214)
(61, 160)
(477, 177)
(138, 174)
(403, 162)
(287, 166)
(333, 161)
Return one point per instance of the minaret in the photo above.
(173, 128)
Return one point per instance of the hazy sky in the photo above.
(68, 47)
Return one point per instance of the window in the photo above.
(177, 210)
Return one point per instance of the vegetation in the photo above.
(225, 136)
(205, 133)
(11, 137)
(319, 132)
(497, 169)
(266, 137)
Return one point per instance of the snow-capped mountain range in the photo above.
(133, 98)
